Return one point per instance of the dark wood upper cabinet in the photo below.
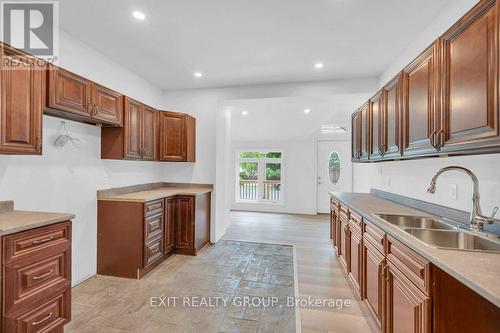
(149, 133)
(355, 136)
(133, 129)
(391, 136)
(376, 132)
(73, 97)
(177, 137)
(137, 140)
(470, 116)
(69, 92)
(420, 107)
(364, 114)
(21, 102)
(107, 105)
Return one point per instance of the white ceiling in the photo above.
(238, 42)
(282, 119)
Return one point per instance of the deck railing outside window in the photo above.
(248, 189)
(272, 189)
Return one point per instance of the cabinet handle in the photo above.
(35, 323)
(43, 275)
(96, 109)
(150, 208)
(440, 137)
(433, 139)
(43, 240)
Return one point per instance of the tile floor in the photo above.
(209, 292)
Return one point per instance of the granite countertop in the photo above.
(477, 270)
(148, 194)
(12, 221)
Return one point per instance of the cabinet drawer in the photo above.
(355, 222)
(344, 213)
(415, 267)
(153, 251)
(47, 317)
(30, 282)
(374, 235)
(153, 207)
(153, 227)
(37, 242)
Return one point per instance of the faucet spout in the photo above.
(476, 219)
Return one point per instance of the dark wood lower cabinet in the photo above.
(345, 245)
(356, 261)
(373, 280)
(134, 237)
(407, 308)
(36, 279)
(170, 217)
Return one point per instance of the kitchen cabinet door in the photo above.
(373, 280)
(170, 216)
(355, 254)
(21, 102)
(470, 115)
(407, 309)
(419, 103)
(345, 244)
(69, 92)
(107, 105)
(133, 129)
(365, 132)
(376, 126)
(149, 129)
(172, 137)
(355, 133)
(391, 136)
(184, 224)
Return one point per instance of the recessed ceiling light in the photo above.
(198, 74)
(138, 15)
(307, 111)
(244, 112)
(318, 65)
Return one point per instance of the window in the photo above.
(334, 167)
(259, 176)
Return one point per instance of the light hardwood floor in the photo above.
(319, 273)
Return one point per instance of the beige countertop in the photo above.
(12, 221)
(153, 194)
(480, 271)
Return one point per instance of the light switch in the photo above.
(452, 190)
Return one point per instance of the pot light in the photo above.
(244, 113)
(138, 15)
(198, 74)
(318, 65)
(307, 111)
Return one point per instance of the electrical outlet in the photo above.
(452, 191)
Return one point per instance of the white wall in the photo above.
(66, 180)
(411, 178)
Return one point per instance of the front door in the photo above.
(334, 171)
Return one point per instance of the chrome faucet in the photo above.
(476, 219)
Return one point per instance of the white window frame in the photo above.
(261, 175)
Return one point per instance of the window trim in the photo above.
(261, 175)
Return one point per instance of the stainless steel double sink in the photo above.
(440, 234)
